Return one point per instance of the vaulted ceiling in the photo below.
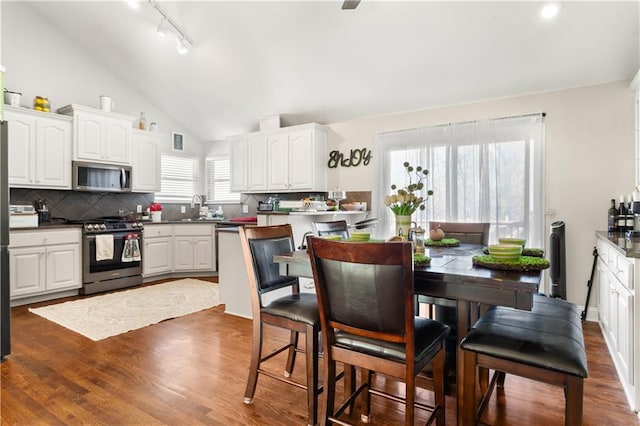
(312, 61)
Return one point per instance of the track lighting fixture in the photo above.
(183, 41)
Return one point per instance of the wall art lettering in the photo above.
(355, 158)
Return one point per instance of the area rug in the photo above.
(111, 314)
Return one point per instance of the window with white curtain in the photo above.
(219, 181)
(483, 171)
(179, 177)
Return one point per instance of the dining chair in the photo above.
(366, 299)
(336, 227)
(442, 309)
(295, 311)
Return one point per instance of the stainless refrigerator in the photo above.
(5, 309)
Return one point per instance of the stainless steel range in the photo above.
(107, 260)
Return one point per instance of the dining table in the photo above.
(452, 274)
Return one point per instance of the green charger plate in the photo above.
(522, 264)
(445, 242)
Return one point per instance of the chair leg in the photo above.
(438, 387)
(365, 377)
(410, 396)
(349, 384)
(574, 392)
(329, 390)
(311, 349)
(469, 388)
(291, 358)
(256, 354)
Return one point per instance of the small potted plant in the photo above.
(156, 212)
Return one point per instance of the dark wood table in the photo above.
(452, 275)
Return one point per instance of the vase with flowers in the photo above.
(406, 200)
(156, 212)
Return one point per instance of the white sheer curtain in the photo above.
(482, 171)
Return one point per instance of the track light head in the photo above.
(182, 45)
(163, 28)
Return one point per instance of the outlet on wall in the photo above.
(245, 208)
(183, 209)
(139, 208)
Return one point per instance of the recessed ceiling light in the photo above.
(135, 4)
(550, 10)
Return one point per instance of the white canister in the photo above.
(106, 103)
(156, 216)
(12, 98)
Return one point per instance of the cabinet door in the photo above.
(183, 253)
(202, 253)
(22, 140)
(26, 271)
(63, 267)
(279, 162)
(625, 332)
(117, 140)
(604, 291)
(53, 153)
(301, 161)
(145, 163)
(89, 138)
(157, 256)
(238, 164)
(257, 163)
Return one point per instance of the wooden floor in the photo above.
(192, 370)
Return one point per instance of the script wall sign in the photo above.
(355, 158)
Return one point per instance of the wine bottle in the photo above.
(613, 217)
(630, 216)
(622, 216)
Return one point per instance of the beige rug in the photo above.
(107, 315)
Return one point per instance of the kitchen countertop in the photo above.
(630, 247)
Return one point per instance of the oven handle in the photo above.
(116, 234)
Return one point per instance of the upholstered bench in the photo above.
(545, 344)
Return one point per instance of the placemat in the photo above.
(522, 264)
(445, 242)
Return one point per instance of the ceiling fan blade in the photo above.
(350, 4)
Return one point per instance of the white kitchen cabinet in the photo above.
(157, 254)
(145, 161)
(635, 86)
(44, 262)
(193, 252)
(239, 166)
(257, 166)
(616, 276)
(39, 149)
(99, 135)
(295, 160)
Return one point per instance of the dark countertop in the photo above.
(630, 247)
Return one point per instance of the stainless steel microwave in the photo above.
(99, 177)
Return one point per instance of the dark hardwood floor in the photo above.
(192, 370)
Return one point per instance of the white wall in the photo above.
(589, 157)
(41, 61)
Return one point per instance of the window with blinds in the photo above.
(219, 181)
(179, 176)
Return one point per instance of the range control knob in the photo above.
(135, 224)
(88, 227)
(140, 225)
(102, 226)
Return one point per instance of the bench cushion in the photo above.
(549, 336)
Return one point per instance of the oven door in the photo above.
(93, 270)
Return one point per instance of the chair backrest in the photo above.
(259, 245)
(364, 288)
(336, 227)
(472, 233)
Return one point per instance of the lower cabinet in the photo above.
(616, 292)
(178, 248)
(43, 262)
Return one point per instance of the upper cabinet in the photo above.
(290, 159)
(145, 161)
(99, 135)
(39, 149)
(635, 85)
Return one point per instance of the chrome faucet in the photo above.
(303, 245)
(196, 199)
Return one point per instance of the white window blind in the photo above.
(219, 181)
(484, 171)
(179, 176)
